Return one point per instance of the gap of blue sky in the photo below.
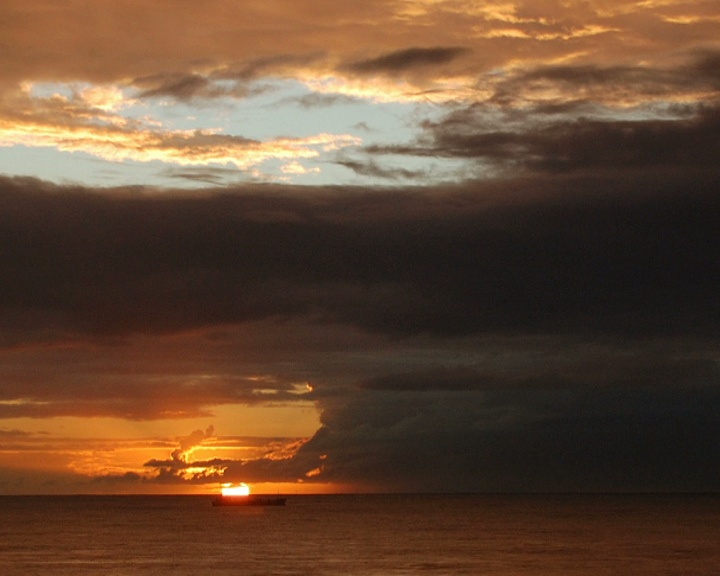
(274, 109)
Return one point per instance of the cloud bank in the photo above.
(557, 333)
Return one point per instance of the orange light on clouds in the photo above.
(96, 130)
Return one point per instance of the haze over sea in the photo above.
(369, 535)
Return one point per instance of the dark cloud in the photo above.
(316, 100)
(595, 417)
(563, 254)
(183, 87)
(629, 144)
(586, 371)
(707, 68)
(571, 142)
(270, 65)
(191, 87)
(610, 84)
(407, 59)
(372, 168)
(566, 118)
(85, 380)
(637, 439)
(210, 175)
(412, 312)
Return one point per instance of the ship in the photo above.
(248, 501)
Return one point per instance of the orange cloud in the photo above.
(49, 40)
(89, 125)
(131, 464)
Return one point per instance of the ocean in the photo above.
(363, 535)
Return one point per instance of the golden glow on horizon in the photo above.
(297, 487)
(230, 490)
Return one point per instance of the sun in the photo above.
(230, 490)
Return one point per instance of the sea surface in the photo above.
(363, 535)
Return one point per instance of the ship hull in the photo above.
(248, 501)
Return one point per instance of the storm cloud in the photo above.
(462, 260)
(566, 327)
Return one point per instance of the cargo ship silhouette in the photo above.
(248, 501)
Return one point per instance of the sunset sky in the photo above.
(317, 246)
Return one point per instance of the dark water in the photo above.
(361, 535)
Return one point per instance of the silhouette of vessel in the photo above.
(248, 500)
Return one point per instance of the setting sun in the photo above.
(230, 490)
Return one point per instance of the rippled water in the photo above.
(361, 535)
